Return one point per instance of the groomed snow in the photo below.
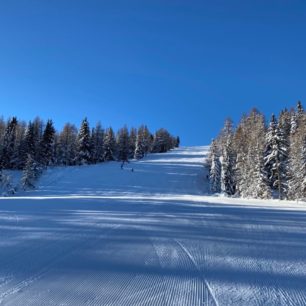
(99, 235)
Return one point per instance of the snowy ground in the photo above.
(99, 235)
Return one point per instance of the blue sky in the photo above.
(183, 65)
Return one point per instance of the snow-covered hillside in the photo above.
(100, 235)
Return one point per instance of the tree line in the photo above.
(33, 146)
(260, 160)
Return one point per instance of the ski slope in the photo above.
(99, 235)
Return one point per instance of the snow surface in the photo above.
(99, 235)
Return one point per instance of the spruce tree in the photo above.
(84, 144)
(132, 142)
(276, 157)
(67, 145)
(215, 169)
(140, 144)
(9, 144)
(162, 141)
(109, 145)
(47, 145)
(123, 144)
(227, 169)
(97, 144)
(30, 174)
(296, 189)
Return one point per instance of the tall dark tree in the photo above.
(132, 142)
(67, 145)
(228, 169)
(9, 145)
(97, 144)
(109, 145)
(162, 141)
(123, 144)
(47, 143)
(84, 144)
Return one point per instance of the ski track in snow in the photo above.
(99, 235)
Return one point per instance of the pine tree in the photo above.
(300, 109)
(146, 140)
(5, 184)
(109, 145)
(84, 144)
(140, 144)
(257, 187)
(123, 144)
(38, 128)
(97, 144)
(227, 158)
(46, 152)
(132, 142)
(296, 188)
(276, 157)
(240, 146)
(227, 169)
(67, 145)
(303, 170)
(215, 169)
(162, 141)
(31, 173)
(9, 144)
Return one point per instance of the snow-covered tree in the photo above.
(109, 145)
(228, 169)
(46, 152)
(139, 148)
(84, 144)
(123, 144)
(162, 141)
(132, 142)
(297, 170)
(275, 159)
(97, 144)
(31, 173)
(67, 145)
(9, 149)
(215, 168)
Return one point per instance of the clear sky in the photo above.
(183, 65)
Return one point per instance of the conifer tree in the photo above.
(46, 151)
(9, 144)
(109, 145)
(38, 128)
(162, 141)
(132, 142)
(67, 145)
(276, 156)
(140, 144)
(97, 144)
(30, 174)
(227, 169)
(297, 169)
(123, 144)
(84, 144)
(215, 169)
(300, 109)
